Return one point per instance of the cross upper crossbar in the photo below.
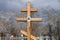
(25, 10)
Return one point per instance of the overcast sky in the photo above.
(15, 5)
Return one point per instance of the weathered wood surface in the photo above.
(29, 20)
(31, 10)
(32, 19)
(25, 33)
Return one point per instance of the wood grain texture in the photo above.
(29, 10)
(36, 19)
(21, 19)
(25, 33)
(28, 31)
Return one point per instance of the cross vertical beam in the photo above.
(28, 30)
(28, 9)
(28, 22)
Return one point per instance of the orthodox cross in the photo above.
(29, 19)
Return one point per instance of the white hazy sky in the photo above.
(15, 5)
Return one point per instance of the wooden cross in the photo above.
(29, 19)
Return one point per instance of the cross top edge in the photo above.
(28, 0)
